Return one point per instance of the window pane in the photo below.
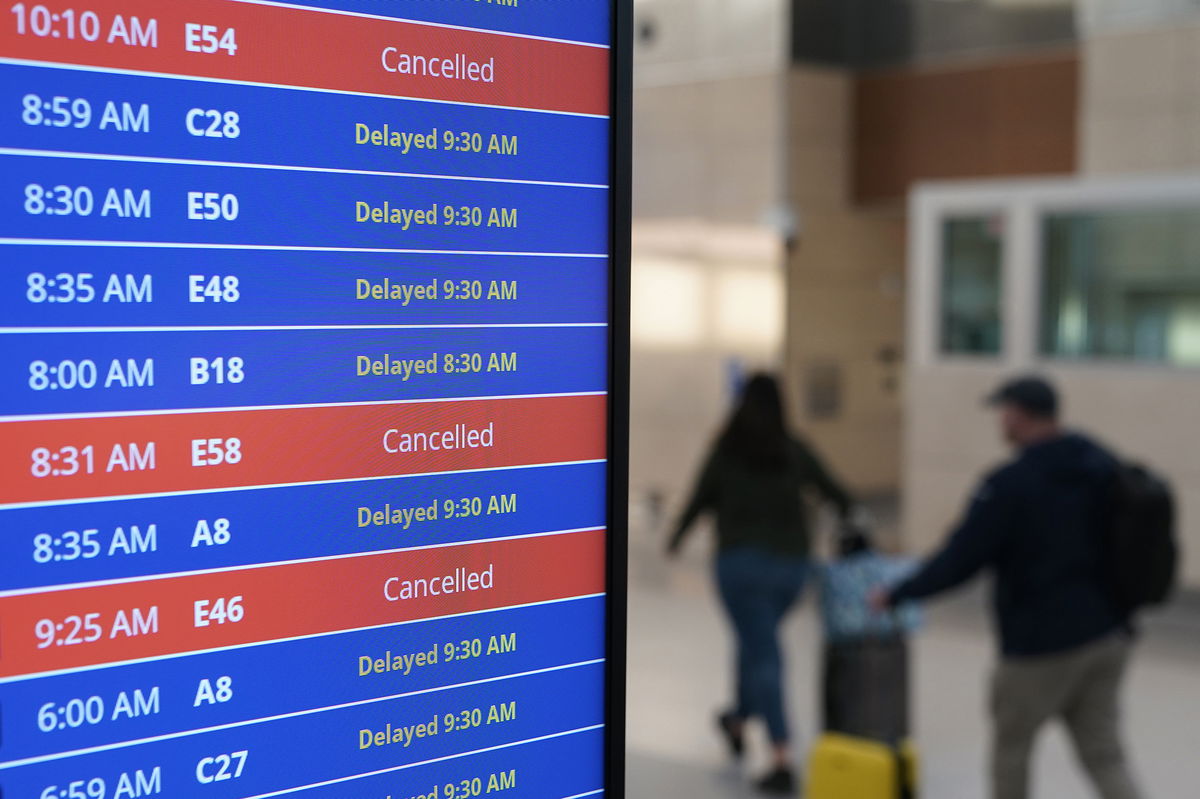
(1122, 284)
(972, 250)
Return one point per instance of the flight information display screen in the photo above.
(307, 398)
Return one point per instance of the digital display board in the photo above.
(312, 368)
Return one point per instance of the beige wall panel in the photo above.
(818, 134)
(738, 107)
(1188, 496)
(679, 401)
(927, 523)
(818, 175)
(1141, 100)
(1098, 16)
(711, 37)
(740, 183)
(820, 106)
(1132, 141)
(1135, 69)
(863, 455)
(670, 113)
(708, 150)
(673, 182)
(846, 322)
(845, 308)
(949, 441)
(670, 155)
(744, 120)
(852, 246)
(1189, 133)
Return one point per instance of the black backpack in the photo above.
(1144, 544)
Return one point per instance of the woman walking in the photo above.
(755, 481)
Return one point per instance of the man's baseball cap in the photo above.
(1032, 394)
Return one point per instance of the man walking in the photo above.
(1038, 523)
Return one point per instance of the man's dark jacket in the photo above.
(1039, 524)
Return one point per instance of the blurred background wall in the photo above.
(1089, 271)
(886, 95)
(896, 203)
(707, 251)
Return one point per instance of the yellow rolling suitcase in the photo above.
(843, 767)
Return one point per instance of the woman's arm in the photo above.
(704, 496)
(819, 475)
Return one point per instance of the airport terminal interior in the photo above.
(896, 205)
(313, 428)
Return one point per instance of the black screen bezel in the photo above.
(620, 224)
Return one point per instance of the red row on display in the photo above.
(59, 459)
(312, 48)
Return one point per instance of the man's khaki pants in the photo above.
(1080, 687)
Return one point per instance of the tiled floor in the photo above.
(678, 677)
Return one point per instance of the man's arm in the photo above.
(973, 546)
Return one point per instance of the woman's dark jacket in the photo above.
(762, 507)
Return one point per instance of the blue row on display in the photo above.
(567, 767)
(96, 112)
(89, 372)
(578, 20)
(81, 199)
(70, 286)
(114, 539)
(108, 705)
(552, 767)
(307, 748)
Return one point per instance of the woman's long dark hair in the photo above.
(757, 433)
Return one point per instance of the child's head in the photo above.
(854, 540)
